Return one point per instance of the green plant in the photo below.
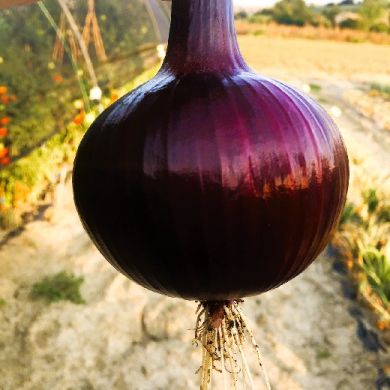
(380, 27)
(9, 219)
(363, 239)
(377, 268)
(352, 24)
(330, 12)
(350, 214)
(383, 90)
(257, 33)
(384, 213)
(323, 354)
(292, 12)
(315, 88)
(241, 15)
(45, 89)
(371, 199)
(62, 286)
(370, 11)
(2, 302)
(258, 19)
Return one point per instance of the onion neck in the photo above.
(203, 38)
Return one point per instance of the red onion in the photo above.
(210, 182)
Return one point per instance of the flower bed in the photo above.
(24, 183)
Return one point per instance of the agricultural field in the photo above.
(69, 320)
(311, 32)
(364, 62)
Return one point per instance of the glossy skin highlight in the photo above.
(210, 182)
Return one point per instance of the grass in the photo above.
(257, 33)
(63, 286)
(380, 89)
(323, 354)
(370, 198)
(315, 88)
(376, 267)
(349, 214)
(363, 240)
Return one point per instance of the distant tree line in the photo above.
(370, 15)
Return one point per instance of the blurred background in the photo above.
(67, 319)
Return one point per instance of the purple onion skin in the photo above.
(210, 182)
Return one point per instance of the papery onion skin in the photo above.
(210, 182)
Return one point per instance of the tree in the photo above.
(294, 12)
(241, 15)
(370, 11)
(330, 12)
(351, 24)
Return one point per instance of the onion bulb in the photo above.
(210, 182)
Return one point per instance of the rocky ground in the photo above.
(312, 332)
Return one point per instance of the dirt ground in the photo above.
(363, 62)
(312, 332)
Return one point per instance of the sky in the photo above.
(266, 3)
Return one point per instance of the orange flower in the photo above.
(4, 153)
(79, 118)
(21, 192)
(5, 99)
(3, 131)
(114, 97)
(350, 263)
(4, 121)
(5, 160)
(382, 325)
(58, 78)
(3, 89)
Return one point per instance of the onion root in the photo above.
(222, 330)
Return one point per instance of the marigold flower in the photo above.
(58, 78)
(5, 99)
(5, 160)
(4, 121)
(4, 152)
(78, 119)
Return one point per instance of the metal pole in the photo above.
(154, 21)
(80, 41)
